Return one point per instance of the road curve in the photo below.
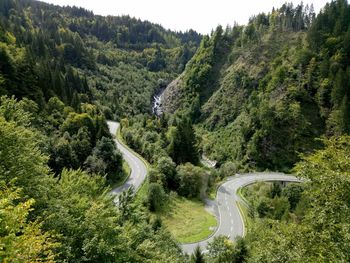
(230, 220)
(137, 167)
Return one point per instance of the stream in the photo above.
(157, 103)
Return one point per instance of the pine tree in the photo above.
(197, 256)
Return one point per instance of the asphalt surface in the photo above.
(138, 168)
(230, 220)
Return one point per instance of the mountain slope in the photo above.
(71, 53)
(262, 93)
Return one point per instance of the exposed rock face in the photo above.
(171, 96)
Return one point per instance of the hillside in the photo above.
(117, 62)
(63, 72)
(262, 93)
(269, 95)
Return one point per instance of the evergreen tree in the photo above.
(197, 256)
(182, 142)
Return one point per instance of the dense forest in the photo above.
(262, 93)
(118, 62)
(273, 94)
(63, 72)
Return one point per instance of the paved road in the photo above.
(138, 168)
(230, 221)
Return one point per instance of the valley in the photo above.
(124, 141)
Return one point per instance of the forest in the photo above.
(272, 95)
(260, 95)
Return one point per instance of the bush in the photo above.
(167, 167)
(191, 180)
(155, 197)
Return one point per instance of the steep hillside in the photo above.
(63, 71)
(262, 93)
(71, 53)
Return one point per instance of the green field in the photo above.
(187, 220)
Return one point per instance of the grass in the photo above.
(142, 192)
(126, 168)
(243, 209)
(250, 194)
(187, 220)
(212, 193)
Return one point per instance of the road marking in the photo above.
(227, 187)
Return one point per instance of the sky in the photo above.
(181, 15)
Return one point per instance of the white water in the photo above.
(157, 104)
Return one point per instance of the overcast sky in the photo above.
(200, 15)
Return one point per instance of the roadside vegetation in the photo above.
(251, 97)
(261, 94)
(67, 215)
(274, 200)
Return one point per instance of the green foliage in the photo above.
(191, 180)
(322, 230)
(125, 205)
(281, 83)
(20, 240)
(12, 110)
(222, 249)
(197, 256)
(228, 169)
(19, 146)
(276, 190)
(69, 217)
(273, 201)
(155, 197)
(167, 167)
(240, 253)
(76, 121)
(146, 136)
(84, 207)
(182, 141)
(80, 140)
(105, 159)
(327, 192)
(68, 52)
(293, 192)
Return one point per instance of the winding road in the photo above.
(138, 168)
(225, 208)
(230, 220)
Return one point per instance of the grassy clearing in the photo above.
(187, 220)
